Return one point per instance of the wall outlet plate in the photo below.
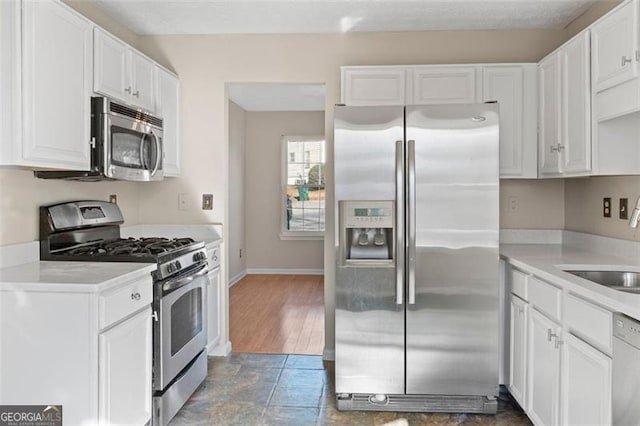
(606, 207)
(624, 208)
(113, 199)
(207, 201)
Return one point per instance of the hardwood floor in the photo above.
(277, 314)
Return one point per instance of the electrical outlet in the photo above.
(624, 210)
(207, 201)
(514, 203)
(113, 199)
(606, 207)
(183, 201)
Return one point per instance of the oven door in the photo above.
(181, 331)
(133, 149)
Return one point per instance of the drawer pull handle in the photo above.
(135, 296)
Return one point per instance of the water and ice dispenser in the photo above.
(366, 231)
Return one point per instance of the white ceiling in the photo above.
(335, 16)
(278, 97)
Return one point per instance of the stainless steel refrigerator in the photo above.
(416, 202)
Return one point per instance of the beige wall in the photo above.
(21, 194)
(236, 243)
(583, 205)
(263, 191)
(537, 204)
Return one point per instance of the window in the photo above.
(303, 183)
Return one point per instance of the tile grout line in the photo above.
(276, 383)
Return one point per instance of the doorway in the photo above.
(276, 217)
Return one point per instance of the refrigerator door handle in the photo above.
(399, 222)
(411, 219)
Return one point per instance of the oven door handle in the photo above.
(173, 285)
(143, 163)
(158, 152)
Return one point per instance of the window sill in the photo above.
(302, 236)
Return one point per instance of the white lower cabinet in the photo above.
(543, 376)
(556, 376)
(518, 350)
(125, 353)
(585, 396)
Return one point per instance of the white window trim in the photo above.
(284, 233)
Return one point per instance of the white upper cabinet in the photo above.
(549, 115)
(122, 73)
(373, 86)
(575, 141)
(444, 85)
(616, 51)
(514, 87)
(56, 73)
(565, 110)
(168, 101)
(111, 76)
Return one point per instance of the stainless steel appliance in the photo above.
(416, 202)
(626, 370)
(89, 231)
(126, 144)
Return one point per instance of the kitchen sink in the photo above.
(617, 280)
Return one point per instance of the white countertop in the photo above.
(83, 277)
(547, 261)
(210, 233)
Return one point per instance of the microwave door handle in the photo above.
(158, 152)
(142, 158)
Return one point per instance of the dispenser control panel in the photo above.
(367, 214)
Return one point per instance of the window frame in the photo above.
(286, 234)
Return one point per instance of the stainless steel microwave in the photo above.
(126, 144)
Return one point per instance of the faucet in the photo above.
(635, 216)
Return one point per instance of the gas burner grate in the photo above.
(137, 247)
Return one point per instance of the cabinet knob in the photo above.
(625, 60)
(560, 147)
(558, 342)
(128, 89)
(136, 93)
(553, 149)
(135, 296)
(550, 334)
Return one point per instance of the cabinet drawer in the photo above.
(117, 304)
(519, 285)
(545, 297)
(591, 322)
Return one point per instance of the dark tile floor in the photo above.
(257, 389)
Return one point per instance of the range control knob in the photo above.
(177, 265)
(170, 268)
(199, 256)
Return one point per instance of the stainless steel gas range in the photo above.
(89, 231)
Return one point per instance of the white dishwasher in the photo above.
(626, 370)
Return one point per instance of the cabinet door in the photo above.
(614, 47)
(56, 86)
(445, 85)
(575, 144)
(549, 115)
(167, 107)
(543, 369)
(514, 87)
(125, 371)
(214, 309)
(143, 77)
(10, 96)
(585, 397)
(373, 86)
(518, 350)
(111, 68)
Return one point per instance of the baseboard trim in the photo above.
(237, 278)
(219, 349)
(278, 271)
(329, 354)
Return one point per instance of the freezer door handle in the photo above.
(399, 222)
(411, 219)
